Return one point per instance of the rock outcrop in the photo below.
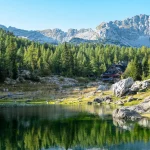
(106, 99)
(130, 32)
(140, 85)
(122, 87)
(142, 107)
(102, 88)
(60, 81)
(126, 113)
(133, 112)
(26, 74)
(10, 81)
(61, 36)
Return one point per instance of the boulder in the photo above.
(10, 81)
(130, 99)
(133, 112)
(140, 86)
(122, 87)
(91, 84)
(60, 81)
(26, 74)
(119, 103)
(102, 88)
(20, 80)
(143, 107)
(146, 84)
(136, 86)
(107, 98)
(89, 103)
(98, 100)
(108, 101)
(146, 104)
(125, 113)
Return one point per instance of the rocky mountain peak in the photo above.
(134, 31)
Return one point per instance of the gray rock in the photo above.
(136, 86)
(146, 84)
(140, 85)
(26, 74)
(125, 113)
(107, 98)
(98, 100)
(130, 99)
(142, 107)
(133, 112)
(10, 81)
(20, 80)
(60, 81)
(122, 87)
(119, 102)
(102, 88)
(109, 101)
(89, 103)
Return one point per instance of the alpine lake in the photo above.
(61, 127)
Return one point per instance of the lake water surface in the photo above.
(50, 127)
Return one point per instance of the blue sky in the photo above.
(65, 14)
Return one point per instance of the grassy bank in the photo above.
(52, 94)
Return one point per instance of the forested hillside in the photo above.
(65, 59)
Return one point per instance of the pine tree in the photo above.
(66, 57)
(145, 68)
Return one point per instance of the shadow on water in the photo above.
(69, 127)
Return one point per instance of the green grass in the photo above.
(70, 96)
(146, 115)
(136, 102)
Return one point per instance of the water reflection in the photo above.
(69, 127)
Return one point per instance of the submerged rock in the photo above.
(125, 113)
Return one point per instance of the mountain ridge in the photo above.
(134, 31)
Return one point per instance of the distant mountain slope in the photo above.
(31, 35)
(61, 36)
(133, 31)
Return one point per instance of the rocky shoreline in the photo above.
(128, 87)
(125, 90)
(70, 92)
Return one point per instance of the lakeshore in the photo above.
(81, 93)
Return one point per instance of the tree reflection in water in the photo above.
(81, 130)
